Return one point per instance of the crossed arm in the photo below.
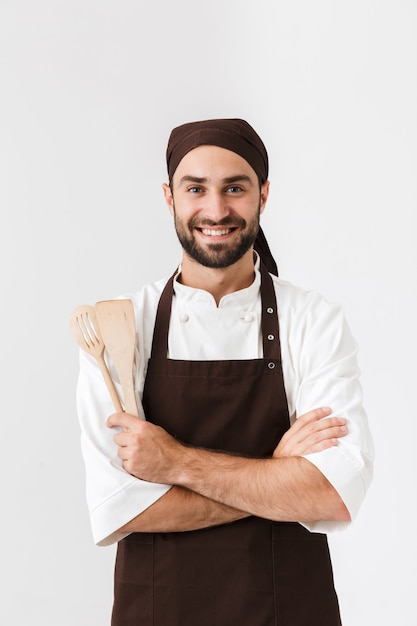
(211, 488)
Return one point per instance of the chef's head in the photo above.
(232, 134)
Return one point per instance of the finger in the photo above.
(332, 432)
(121, 419)
(122, 453)
(308, 438)
(314, 437)
(322, 445)
(323, 425)
(305, 430)
(122, 439)
(327, 438)
(314, 415)
(310, 418)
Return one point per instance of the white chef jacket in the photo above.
(319, 360)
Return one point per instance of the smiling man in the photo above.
(219, 235)
(254, 442)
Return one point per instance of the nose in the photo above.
(216, 206)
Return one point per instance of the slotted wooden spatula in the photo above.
(116, 320)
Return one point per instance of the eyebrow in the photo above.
(226, 181)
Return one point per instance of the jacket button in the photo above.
(184, 318)
(248, 317)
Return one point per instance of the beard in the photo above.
(217, 255)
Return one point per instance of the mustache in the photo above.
(226, 221)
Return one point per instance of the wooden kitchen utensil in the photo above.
(86, 332)
(116, 320)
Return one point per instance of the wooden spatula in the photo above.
(116, 320)
(86, 332)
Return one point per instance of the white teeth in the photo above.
(213, 233)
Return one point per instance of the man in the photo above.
(255, 442)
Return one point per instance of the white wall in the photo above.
(89, 91)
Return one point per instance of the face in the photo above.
(216, 201)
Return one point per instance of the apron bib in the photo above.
(252, 572)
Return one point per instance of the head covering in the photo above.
(235, 135)
(232, 134)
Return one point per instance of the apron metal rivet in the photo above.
(269, 310)
(271, 337)
(271, 365)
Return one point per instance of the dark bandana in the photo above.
(235, 135)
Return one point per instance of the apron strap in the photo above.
(161, 327)
(269, 319)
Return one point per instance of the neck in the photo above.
(218, 281)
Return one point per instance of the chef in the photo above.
(254, 443)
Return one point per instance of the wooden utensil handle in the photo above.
(130, 401)
(110, 385)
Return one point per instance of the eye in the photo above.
(234, 189)
(194, 189)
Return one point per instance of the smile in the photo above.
(216, 233)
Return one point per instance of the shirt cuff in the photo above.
(349, 475)
(122, 506)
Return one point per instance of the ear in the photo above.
(264, 195)
(168, 197)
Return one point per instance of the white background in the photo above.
(89, 91)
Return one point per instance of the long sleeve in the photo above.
(321, 369)
(113, 496)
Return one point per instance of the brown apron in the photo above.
(252, 572)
